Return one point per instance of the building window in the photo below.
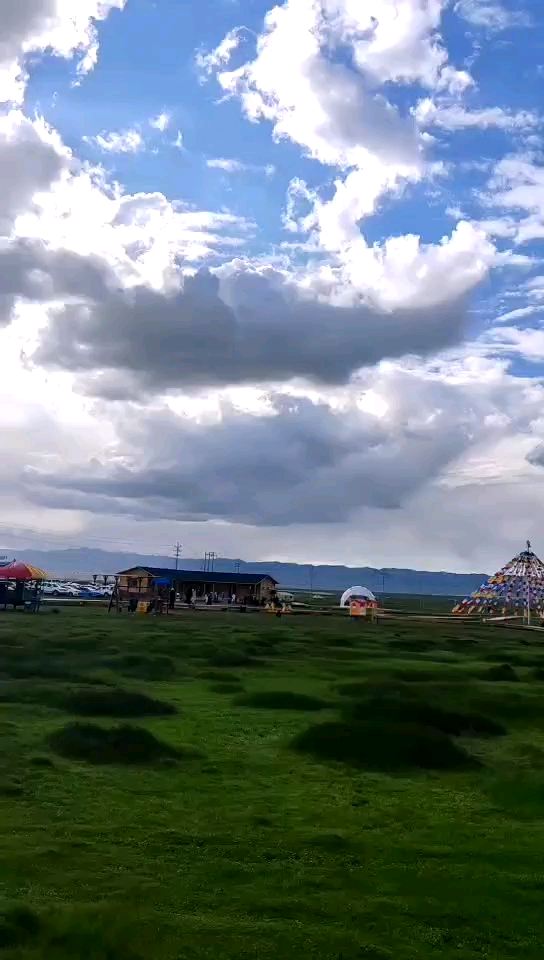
(132, 583)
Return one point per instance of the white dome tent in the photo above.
(356, 593)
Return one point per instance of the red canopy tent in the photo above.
(17, 570)
(21, 576)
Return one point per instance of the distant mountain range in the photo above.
(84, 562)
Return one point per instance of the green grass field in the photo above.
(232, 787)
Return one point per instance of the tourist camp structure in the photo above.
(516, 590)
(146, 583)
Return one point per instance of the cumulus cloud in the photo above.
(315, 101)
(105, 285)
(56, 26)
(32, 158)
(248, 326)
(322, 77)
(303, 461)
(143, 236)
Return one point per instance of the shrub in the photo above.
(125, 744)
(115, 703)
(504, 673)
(387, 746)
(281, 700)
(422, 713)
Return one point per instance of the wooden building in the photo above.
(147, 583)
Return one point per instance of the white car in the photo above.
(54, 588)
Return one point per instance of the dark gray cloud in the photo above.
(248, 328)
(536, 456)
(304, 464)
(21, 19)
(30, 271)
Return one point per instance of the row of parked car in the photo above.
(77, 591)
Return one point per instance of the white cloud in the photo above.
(491, 14)
(317, 102)
(179, 142)
(161, 122)
(101, 281)
(517, 184)
(208, 62)
(144, 237)
(32, 158)
(118, 141)
(454, 116)
(300, 82)
(517, 314)
(428, 430)
(230, 165)
(56, 26)
(528, 343)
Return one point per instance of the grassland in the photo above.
(233, 787)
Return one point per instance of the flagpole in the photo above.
(528, 584)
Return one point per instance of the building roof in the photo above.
(200, 576)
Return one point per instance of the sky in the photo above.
(272, 278)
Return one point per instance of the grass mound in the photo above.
(354, 688)
(65, 936)
(125, 744)
(387, 746)
(159, 667)
(281, 700)
(400, 709)
(221, 676)
(504, 673)
(17, 926)
(232, 658)
(116, 703)
(412, 644)
(226, 688)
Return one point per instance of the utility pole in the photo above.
(177, 553)
(237, 564)
(209, 561)
(311, 575)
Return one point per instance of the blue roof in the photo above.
(199, 576)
